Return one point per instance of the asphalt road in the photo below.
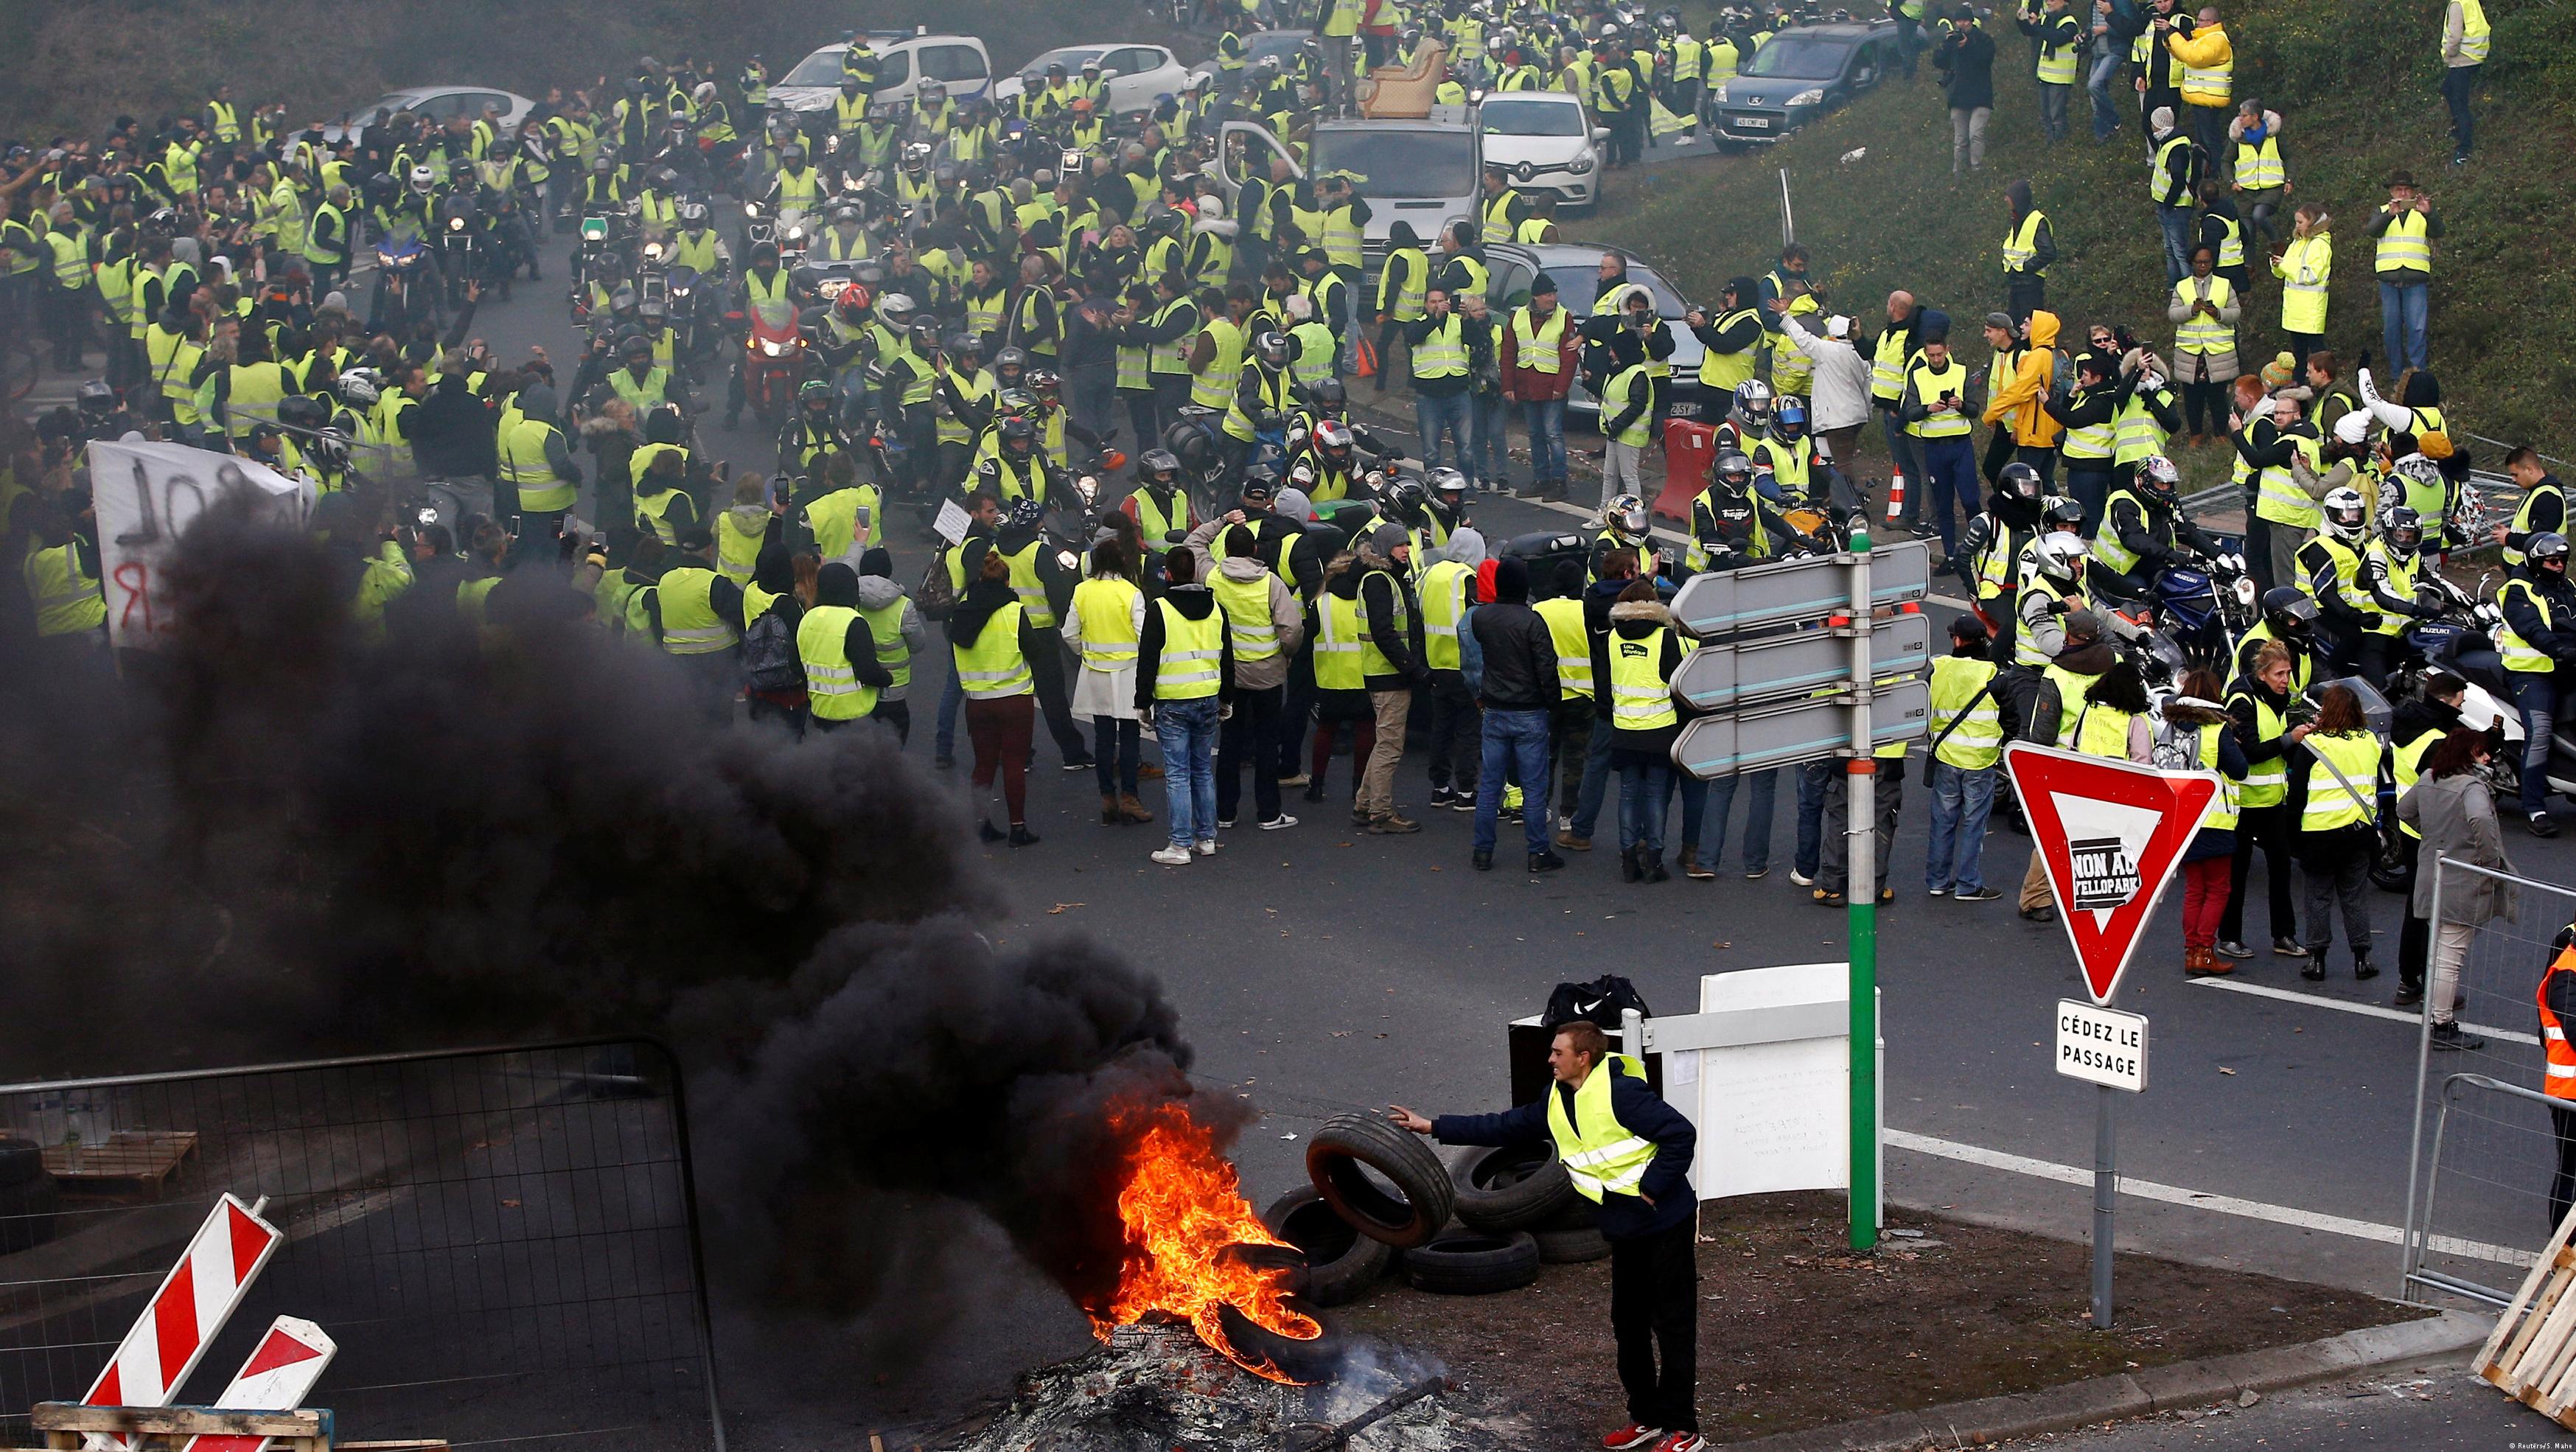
(1320, 971)
(2423, 1409)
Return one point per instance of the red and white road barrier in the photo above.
(196, 1298)
(280, 1373)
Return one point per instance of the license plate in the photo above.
(1685, 410)
(1751, 123)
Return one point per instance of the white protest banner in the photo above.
(147, 495)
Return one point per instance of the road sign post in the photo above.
(2109, 834)
(1781, 692)
(1860, 899)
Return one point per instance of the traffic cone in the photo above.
(1896, 498)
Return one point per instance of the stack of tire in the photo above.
(1379, 1190)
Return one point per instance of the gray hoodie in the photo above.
(1285, 616)
(877, 592)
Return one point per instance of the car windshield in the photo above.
(1796, 58)
(1281, 43)
(398, 101)
(822, 68)
(1576, 286)
(1070, 57)
(1400, 163)
(1504, 117)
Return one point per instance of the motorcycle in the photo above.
(773, 363)
(462, 248)
(2201, 606)
(693, 302)
(400, 264)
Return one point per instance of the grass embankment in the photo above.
(74, 67)
(2356, 85)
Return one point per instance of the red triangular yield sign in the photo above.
(2110, 834)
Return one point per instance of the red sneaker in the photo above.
(1632, 1435)
(1681, 1442)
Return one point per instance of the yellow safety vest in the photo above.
(1106, 608)
(1341, 634)
(1977, 742)
(1538, 346)
(2096, 729)
(1929, 384)
(2520, 654)
(1641, 699)
(2333, 803)
(2071, 686)
(1445, 587)
(832, 689)
(2200, 333)
(2021, 243)
(1246, 604)
(2475, 36)
(993, 666)
(2259, 168)
(690, 624)
(1192, 664)
(2279, 498)
(2403, 246)
(1215, 387)
(1887, 364)
(1725, 370)
(1442, 353)
(2305, 268)
(1566, 630)
(1619, 395)
(885, 626)
(1601, 1155)
(2108, 548)
(2406, 767)
(67, 598)
(2267, 783)
(523, 463)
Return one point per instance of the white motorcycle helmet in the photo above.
(2347, 518)
(1625, 517)
(422, 179)
(2060, 556)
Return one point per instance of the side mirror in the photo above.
(1600, 134)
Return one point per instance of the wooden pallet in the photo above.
(2531, 1355)
(139, 1160)
(66, 1427)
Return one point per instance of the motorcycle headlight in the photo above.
(679, 293)
(794, 234)
(652, 251)
(594, 229)
(456, 224)
(774, 350)
(1813, 96)
(751, 211)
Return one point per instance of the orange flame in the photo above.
(1182, 1209)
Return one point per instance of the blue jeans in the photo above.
(1596, 781)
(2537, 696)
(1812, 777)
(1762, 794)
(1517, 740)
(2176, 222)
(2402, 325)
(1951, 467)
(1961, 801)
(1187, 730)
(2091, 487)
(2107, 66)
(952, 695)
(1432, 415)
(1489, 454)
(1546, 420)
(1694, 794)
(1644, 792)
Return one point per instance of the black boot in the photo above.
(1655, 866)
(1630, 869)
(985, 831)
(2314, 969)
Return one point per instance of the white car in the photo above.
(1546, 142)
(437, 102)
(903, 63)
(1139, 75)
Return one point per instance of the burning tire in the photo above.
(1297, 1274)
(1340, 1262)
(1423, 1197)
(1464, 1263)
(1307, 1362)
(1511, 1187)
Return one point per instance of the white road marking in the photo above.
(2201, 1200)
(2372, 1010)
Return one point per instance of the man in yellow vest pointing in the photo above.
(1629, 1153)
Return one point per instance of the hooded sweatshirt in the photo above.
(1266, 674)
(877, 592)
(2022, 400)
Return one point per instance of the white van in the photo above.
(904, 61)
(1427, 173)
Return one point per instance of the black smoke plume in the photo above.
(279, 841)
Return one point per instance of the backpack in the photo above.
(2177, 747)
(936, 599)
(1602, 1001)
(769, 661)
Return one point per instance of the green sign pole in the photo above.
(1860, 896)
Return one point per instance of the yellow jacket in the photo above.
(2024, 399)
(2205, 49)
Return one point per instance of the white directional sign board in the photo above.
(1735, 675)
(1796, 731)
(1725, 601)
(2102, 1045)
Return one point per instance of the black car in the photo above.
(1797, 76)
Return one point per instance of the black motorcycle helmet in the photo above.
(2061, 514)
(815, 397)
(764, 254)
(2402, 530)
(2547, 550)
(1328, 393)
(1019, 437)
(1270, 347)
(1159, 470)
(1732, 472)
(302, 411)
(2021, 481)
(1009, 365)
(2158, 479)
(2293, 616)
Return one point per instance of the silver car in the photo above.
(1577, 270)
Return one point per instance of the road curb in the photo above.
(2156, 1389)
